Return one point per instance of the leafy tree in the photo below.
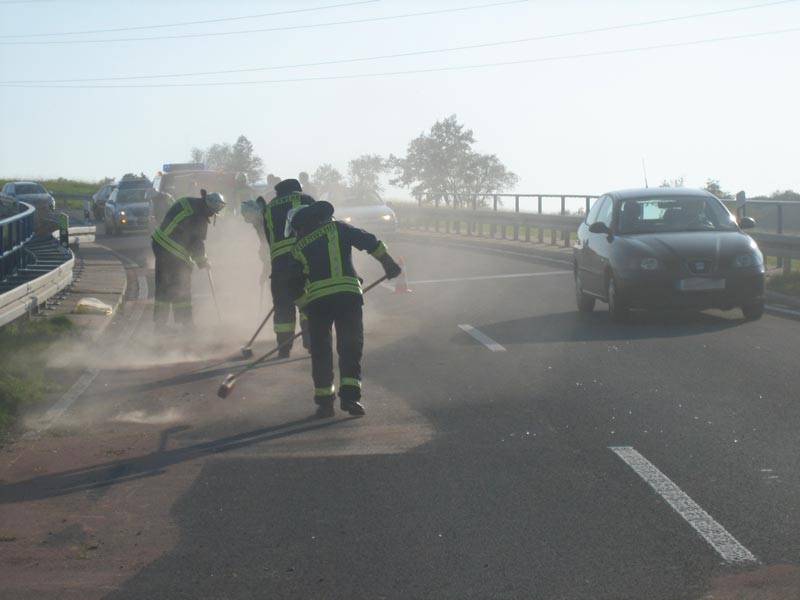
(364, 173)
(712, 185)
(327, 179)
(442, 165)
(239, 158)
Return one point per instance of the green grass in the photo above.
(785, 284)
(62, 185)
(23, 379)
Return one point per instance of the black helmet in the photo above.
(287, 186)
(312, 215)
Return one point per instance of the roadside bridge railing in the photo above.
(33, 268)
(554, 219)
(16, 229)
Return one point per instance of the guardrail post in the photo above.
(494, 202)
(780, 218)
(516, 203)
(553, 236)
(566, 235)
(787, 266)
(588, 204)
(539, 205)
(527, 232)
(540, 229)
(563, 206)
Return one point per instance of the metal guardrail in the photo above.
(25, 298)
(556, 229)
(15, 231)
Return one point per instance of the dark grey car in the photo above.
(32, 193)
(667, 248)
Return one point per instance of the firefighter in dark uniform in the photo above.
(328, 290)
(288, 196)
(178, 244)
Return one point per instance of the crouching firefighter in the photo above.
(328, 290)
(288, 196)
(178, 244)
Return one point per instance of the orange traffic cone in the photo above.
(401, 286)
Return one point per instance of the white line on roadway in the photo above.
(55, 412)
(482, 277)
(482, 338)
(715, 534)
(785, 311)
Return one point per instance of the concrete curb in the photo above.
(100, 275)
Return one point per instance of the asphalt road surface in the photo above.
(512, 448)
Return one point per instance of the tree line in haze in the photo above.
(440, 165)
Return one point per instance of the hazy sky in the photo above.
(725, 110)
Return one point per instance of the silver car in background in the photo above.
(31, 193)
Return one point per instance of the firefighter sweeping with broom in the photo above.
(178, 244)
(328, 290)
(288, 196)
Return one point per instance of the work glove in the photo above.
(202, 263)
(390, 267)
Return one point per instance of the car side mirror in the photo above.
(747, 223)
(599, 227)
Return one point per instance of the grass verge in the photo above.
(785, 284)
(23, 379)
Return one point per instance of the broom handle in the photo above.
(260, 327)
(261, 359)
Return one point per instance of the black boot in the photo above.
(324, 408)
(354, 407)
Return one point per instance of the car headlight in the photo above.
(348, 219)
(648, 264)
(122, 213)
(386, 217)
(754, 259)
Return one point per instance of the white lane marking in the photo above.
(482, 338)
(712, 532)
(55, 412)
(482, 277)
(509, 252)
(785, 311)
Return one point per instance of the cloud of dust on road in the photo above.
(236, 268)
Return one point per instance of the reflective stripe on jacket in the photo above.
(275, 215)
(173, 236)
(325, 257)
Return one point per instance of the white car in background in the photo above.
(362, 209)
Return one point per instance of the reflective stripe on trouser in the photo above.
(285, 317)
(347, 318)
(173, 287)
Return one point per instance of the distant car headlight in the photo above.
(386, 217)
(649, 264)
(348, 219)
(743, 261)
(122, 213)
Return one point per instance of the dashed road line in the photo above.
(712, 532)
(482, 338)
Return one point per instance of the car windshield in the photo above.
(127, 196)
(353, 198)
(29, 188)
(671, 214)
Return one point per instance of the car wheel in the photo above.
(616, 307)
(753, 312)
(585, 302)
